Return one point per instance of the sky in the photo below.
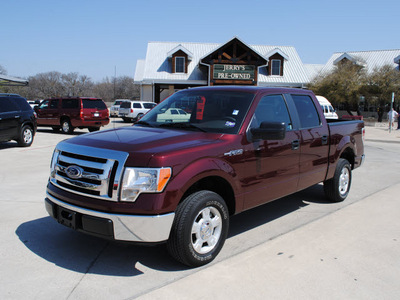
(102, 39)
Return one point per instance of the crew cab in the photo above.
(179, 180)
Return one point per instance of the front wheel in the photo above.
(337, 188)
(26, 136)
(199, 229)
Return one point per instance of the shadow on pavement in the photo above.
(83, 253)
(276, 209)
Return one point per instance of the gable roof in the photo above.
(180, 48)
(370, 59)
(157, 66)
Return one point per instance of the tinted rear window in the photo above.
(22, 103)
(99, 104)
(125, 104)
(149, 105)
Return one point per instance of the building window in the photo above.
(179, 64)
(276, 67)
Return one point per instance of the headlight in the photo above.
(53, 163)
(143, 180)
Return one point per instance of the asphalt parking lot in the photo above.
(298, 247)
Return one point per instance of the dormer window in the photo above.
(276, 67)
(180, 58)
(277, 60)
(179, 64)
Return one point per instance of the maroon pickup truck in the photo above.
(197, 158)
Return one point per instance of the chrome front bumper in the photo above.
(133, 228)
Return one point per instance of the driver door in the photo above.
(273, 169)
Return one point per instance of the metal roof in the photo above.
(369, 59)
(157, 66)
(12, 81)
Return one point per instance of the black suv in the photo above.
(17, 120)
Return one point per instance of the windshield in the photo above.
(212, 111)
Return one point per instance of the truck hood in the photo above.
(144, 142)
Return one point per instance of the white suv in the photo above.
(134, 110)
(115, 107)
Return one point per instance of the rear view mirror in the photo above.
(269, 131)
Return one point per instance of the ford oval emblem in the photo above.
(74, 172)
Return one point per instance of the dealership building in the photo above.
(172, 66)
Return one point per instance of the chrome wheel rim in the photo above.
(206, 230)
(344, 181)
(65, 127)
(27, 136)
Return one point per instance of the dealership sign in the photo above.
(234, 72)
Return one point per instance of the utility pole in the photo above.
(115, 77)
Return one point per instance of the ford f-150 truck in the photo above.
(178, 180)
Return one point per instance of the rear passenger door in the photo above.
(314, 146)
(9, 118)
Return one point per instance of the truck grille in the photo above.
(74, 170)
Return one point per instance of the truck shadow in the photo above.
(82, 253)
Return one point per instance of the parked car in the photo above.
(17, 120)
(73, 112)
(329, 111)
(33, 103)
(114, 109)
(133, 110)
(179, 182)
(173, 115)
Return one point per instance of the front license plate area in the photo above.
(66, 217)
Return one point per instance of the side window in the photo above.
(70, 103)
(276, 67)
(137, 105)
(54, 103)
(307, 111)
(272, 108)
(179, 64)
(6, 105)
(44, 104)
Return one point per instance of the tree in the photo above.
(3, 71)
(75, 85)
(343, 85)
(380, 85)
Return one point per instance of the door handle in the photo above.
(324, 140)
(295, 144)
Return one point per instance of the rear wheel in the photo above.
(337, 188)
(26, 136)
(199, 229)
(66, 126)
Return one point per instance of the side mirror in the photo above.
(269, 131)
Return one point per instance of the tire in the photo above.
(199, 229)
(337, 188)
(92, 129)
(66, 126)
(26, 136)
(139, 116)
(126, 120)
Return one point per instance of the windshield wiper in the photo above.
(182, 125)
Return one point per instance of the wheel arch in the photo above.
(215, 184)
